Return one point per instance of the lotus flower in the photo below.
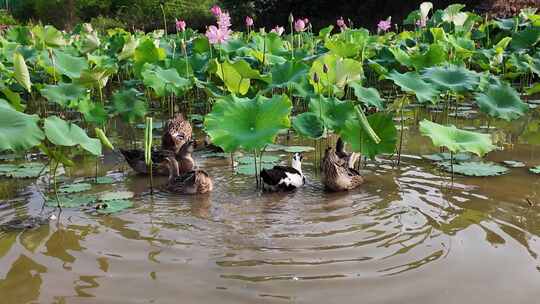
(216, 10)
(278, 30)
(306, 21)
(249, 21)
(299, 25)
(217, 35)
(224, 21)
(180, 25)
(384, 25)
(341, 23)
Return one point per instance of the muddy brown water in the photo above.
(409, 235)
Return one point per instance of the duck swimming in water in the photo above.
(339, 175)
(282, 178)
(192, 182)
(135, 159)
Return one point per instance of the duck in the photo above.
(176, 132)
(192, 182)
(136, 160)
(348, 160)
(208, 145)
(284, 178)
(339, 175)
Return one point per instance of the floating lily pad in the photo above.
(71, 201)
(215, 155)
(8, 157)
(268, 159)
(514, 163)
(298, 149)
(25, 170)
(114, 196)
(458, 157)
(113, 206)
(103, 180)
(250, 169)
(74, 188)
(535, 170)
(476, 169)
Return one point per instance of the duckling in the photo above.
(192, 182)
(176, 133)
(281, 178)
(135, 159)
(336, 175)
(210, 146)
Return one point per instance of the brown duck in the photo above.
(135, 159)
(338, 174)
(176, 133)
(193, 182)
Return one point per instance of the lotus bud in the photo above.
(291, 18)
(315, 78)
(325, 68)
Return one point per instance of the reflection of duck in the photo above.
(192, 182)
(176, 133)
(285, 178)
(135, 159)
(339, 175)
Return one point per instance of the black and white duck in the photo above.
(283, 178)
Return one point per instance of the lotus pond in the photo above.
(444, 110)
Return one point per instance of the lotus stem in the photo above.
(148, 150)
(364, 124)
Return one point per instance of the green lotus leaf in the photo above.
(74, 188)
(147, 52)
(129, 105)
(71, 201)
(18, 131)
(288, 74)
(501, 101)
(456, 140)
(116, 195)
(247, 123)
(164, 82)
(439, 157)
(89, 42)
(480, 169)
(452, 78)
(63, 133)
(535, 170)
(412, 83)
(236, 75)
(341, 72)
(434, 55)
(64, 94)
(114, 206)
(128, 50)
(309, 125)
(333, 112)
(342, 48)
(103, 180)
(526, 39)
(250, 169)
(68, 65)
(360, 141)
(20, 71)
(93, 112)
(95, 78)
(290, 149)
(268, 159)
(49, 36)
(369, 96)
(14, 98)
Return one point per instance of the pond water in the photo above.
(409, 235)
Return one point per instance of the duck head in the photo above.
(297, 159)
(187, 148)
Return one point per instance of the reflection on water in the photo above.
(410, 234)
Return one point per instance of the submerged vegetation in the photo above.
(60, 90)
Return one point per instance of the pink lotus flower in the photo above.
(249, 21)
(306, 21)
(278, 30)
(421, 22)
(180, 25)
(341, 23)
(217, 35)
(299, 25)
(384, 25)
(216, 10)
(224, 20)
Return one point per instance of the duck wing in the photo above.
(275, 175)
